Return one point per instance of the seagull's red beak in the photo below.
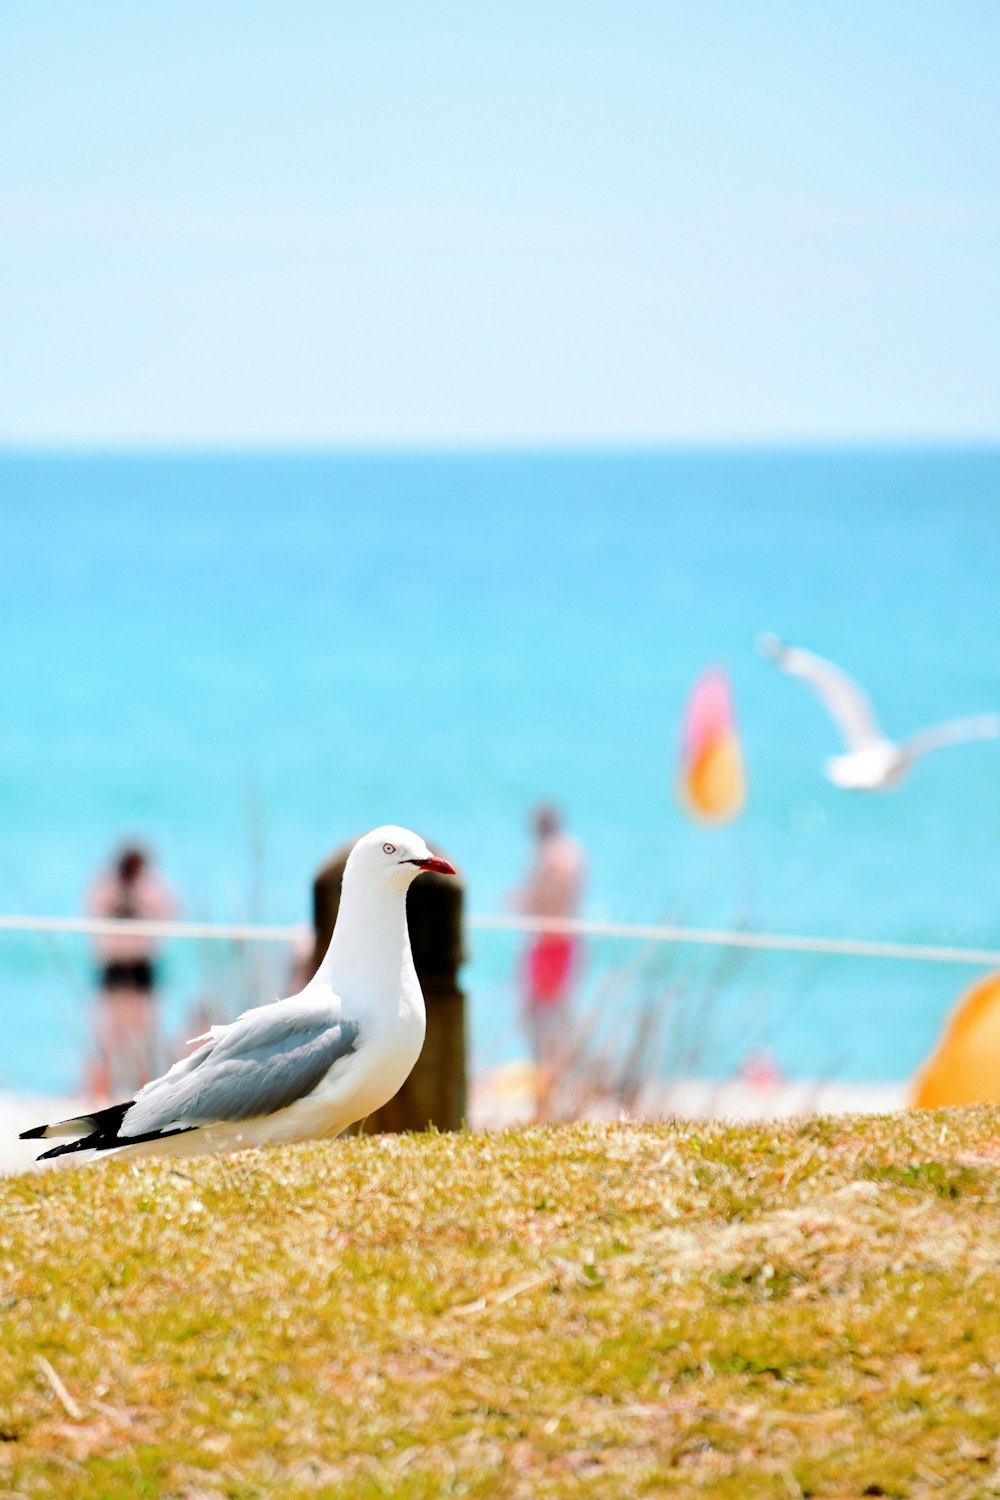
(439, 866)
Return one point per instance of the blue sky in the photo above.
(454, 223)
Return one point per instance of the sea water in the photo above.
(247, 658)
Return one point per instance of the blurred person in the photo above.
(553, 888)
(126, 1029)
(760, 1069)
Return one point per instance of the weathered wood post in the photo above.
(435, 1092)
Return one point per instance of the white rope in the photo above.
(773, 942)
(246, 932)
(233, 932)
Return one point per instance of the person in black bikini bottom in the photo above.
(126, 1031)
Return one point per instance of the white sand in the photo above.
(506, 1096)
(19, 1112)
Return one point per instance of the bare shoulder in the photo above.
(571, 852)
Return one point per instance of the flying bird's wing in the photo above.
(952, 732)
(264, 1061)
(844, 699)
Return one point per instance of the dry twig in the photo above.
(60, 1392)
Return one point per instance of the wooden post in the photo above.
(435, 1092)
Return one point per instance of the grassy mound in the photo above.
(592, 1310)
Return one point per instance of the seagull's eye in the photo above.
(388, 848)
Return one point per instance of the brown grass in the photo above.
(810, 1309)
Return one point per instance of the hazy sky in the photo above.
(231, 221)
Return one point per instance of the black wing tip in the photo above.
(99, 1125)
(110, 1141)
(60, 1150)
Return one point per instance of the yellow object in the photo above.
(714, 785)
(964, 1068)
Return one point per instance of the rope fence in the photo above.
(245, 932)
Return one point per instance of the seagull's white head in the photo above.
(393, 857)
(771, 646)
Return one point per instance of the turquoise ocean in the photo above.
(246, 658)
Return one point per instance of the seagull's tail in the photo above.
(97, 1131)
(98, 1134)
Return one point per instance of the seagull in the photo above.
(299, 1069)
(871, 762)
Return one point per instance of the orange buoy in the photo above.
(964, 1067)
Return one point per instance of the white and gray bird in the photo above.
(299, 1069)
(871, 762)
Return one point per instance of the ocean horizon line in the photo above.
(821, 446)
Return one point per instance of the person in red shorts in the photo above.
(551, 960)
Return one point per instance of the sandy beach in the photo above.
(19, 1112)
(505, 1096)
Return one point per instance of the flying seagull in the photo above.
(871, 762)
(298, 1069)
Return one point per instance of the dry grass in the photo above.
(584, 1310)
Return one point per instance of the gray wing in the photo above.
(952, 732)
(844, 699)
(266, 1060)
